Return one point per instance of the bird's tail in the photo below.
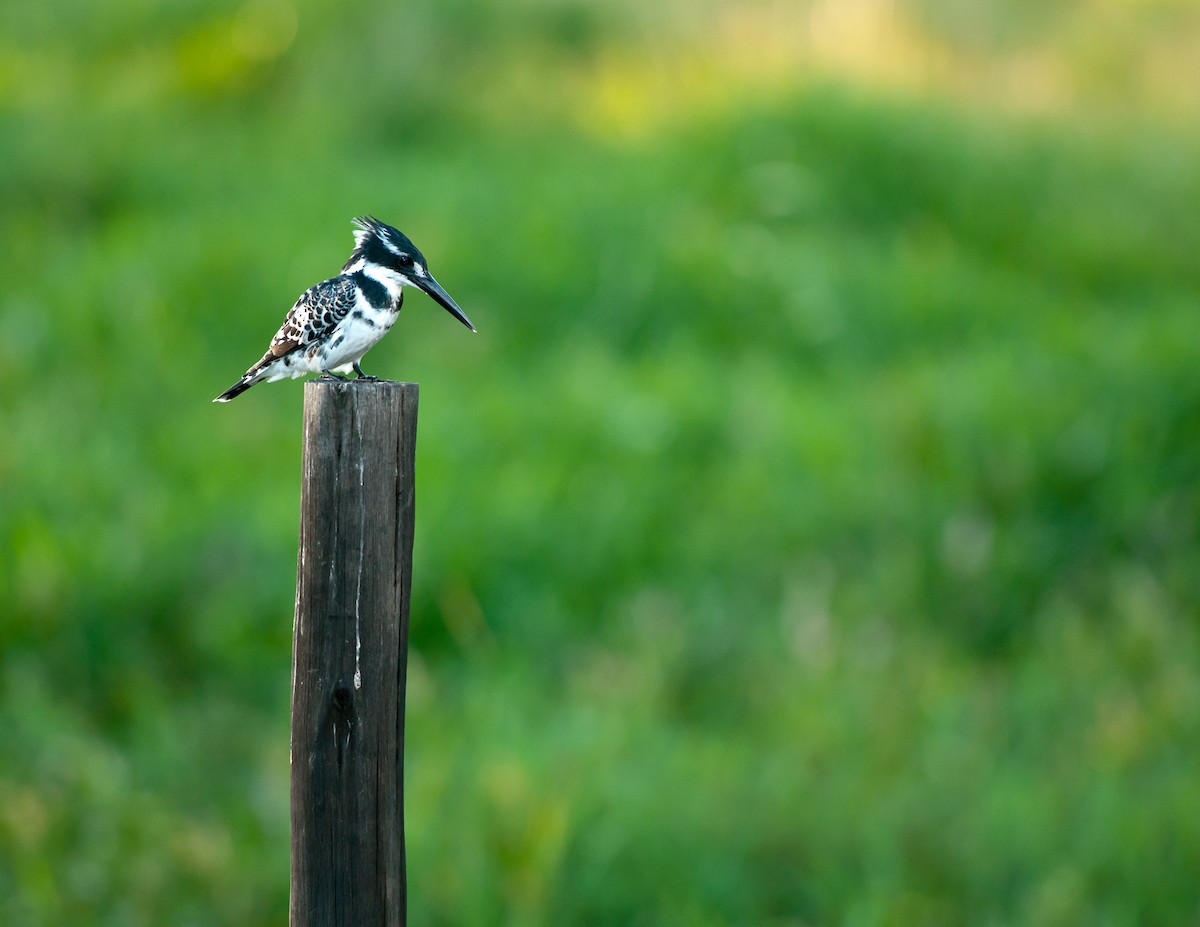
(248, 380)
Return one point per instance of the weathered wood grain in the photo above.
(349, 654)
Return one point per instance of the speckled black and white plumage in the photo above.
(333, 324)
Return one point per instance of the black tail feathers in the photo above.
(237, 389)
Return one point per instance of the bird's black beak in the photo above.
(434, 289)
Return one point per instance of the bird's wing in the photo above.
(315, 314)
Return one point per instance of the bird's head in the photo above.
(379, 244)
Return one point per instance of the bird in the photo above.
(334, 323)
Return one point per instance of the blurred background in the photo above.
(808, 537)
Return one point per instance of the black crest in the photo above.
(379, 243)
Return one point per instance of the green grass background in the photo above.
(808, 537)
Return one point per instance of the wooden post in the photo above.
(350, 648)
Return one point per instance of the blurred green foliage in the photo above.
(808, 537)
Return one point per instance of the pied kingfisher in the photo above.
(333, 324)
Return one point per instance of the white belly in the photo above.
(359, 332)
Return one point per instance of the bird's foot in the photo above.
(362, 376)
(330, 375)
